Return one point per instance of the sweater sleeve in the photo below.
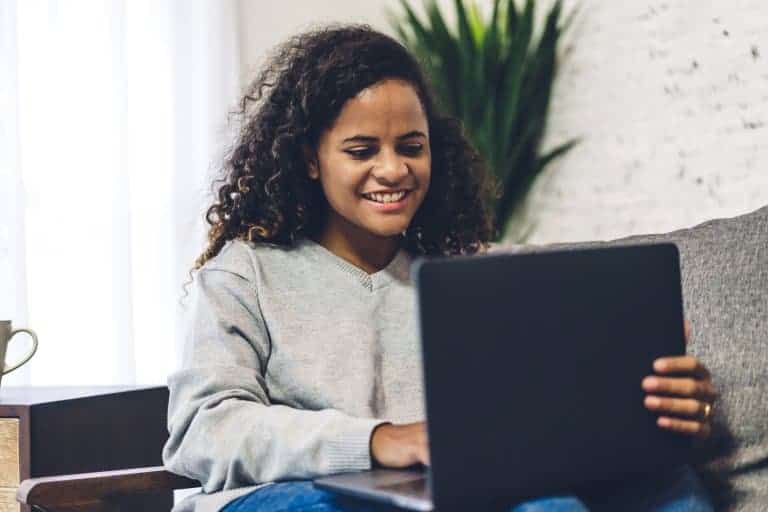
(224, 432)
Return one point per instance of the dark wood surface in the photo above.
(70, 430)
(107, 489)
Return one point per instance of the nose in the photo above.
(391, 169)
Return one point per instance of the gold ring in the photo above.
(707, 410)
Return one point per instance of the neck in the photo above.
(364, 250)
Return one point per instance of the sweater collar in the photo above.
(396, 270)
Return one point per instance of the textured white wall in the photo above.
(670, 98)
(265, 24)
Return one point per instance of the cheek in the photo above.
(424, 174)
(341, 182)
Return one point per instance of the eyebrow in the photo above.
(368, 138)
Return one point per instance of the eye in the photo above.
(361, 153)
(412, 149)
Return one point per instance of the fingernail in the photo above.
(649, 383)
(653, 401)
(659, 365)
(664, 422)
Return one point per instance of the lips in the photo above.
(386, 197)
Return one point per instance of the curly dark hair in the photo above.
(266, 195)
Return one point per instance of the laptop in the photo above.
(532, 372)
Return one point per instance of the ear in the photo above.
(310, 158)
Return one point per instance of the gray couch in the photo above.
(724, 265)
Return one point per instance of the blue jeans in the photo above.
(677, 491)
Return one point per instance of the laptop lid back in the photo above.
(533, 366)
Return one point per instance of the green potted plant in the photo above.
(495, 74)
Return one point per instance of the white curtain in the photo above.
(113, 114)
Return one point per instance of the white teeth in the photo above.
(385, 198)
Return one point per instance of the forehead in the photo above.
(381, 109)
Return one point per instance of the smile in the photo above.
(392, 197)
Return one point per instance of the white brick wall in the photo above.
(671, 100)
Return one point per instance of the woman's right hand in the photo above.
(400, 446)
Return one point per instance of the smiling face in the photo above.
(374, 163)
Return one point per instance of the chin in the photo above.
(388, 231)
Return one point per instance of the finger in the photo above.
(694, 428)
(688, 365)
(683, 387)
(687, 330)
(424, 457)
(686, 407)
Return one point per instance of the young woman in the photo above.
(302, 356)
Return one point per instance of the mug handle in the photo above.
(28, 356)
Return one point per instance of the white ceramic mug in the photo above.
(6, 333)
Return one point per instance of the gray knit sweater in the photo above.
(291, 358)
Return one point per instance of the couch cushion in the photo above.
(724, 268)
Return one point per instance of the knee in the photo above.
(281, 496)
(551, 504)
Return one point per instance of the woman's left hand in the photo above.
(682, 393)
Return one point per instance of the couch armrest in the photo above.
(95, 491)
